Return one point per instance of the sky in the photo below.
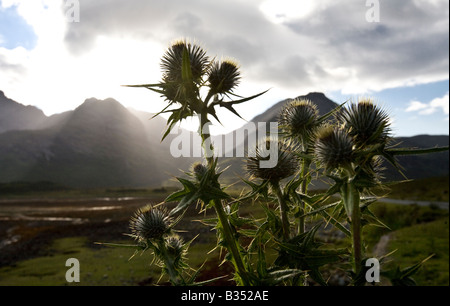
(54, 54)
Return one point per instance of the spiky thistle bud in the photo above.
(224, 76)
(172, 61)
(299, 120)
(286, 161)
(365, 122)
(175, 247)
(199, 170)
(150, 223)
(333, 148)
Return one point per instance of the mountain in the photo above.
(103, 144)
(15, 116)
(99, 144)
(421, 166)
(249, 132)
(414, 167)
(324, 105)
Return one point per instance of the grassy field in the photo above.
(415, 243)
(38, 255)
(432, 189)
(99, 266)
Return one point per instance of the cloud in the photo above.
(436, 105)
(408, 46)
(292, 47)
(12, 65)
(416, 105)
(287, 43)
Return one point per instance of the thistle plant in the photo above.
(150, 223)
(299, 122)
(285, 167)
(333, 148)
(350, 152)
(366, 123)
(186, 71)
(151, 227)
(344, 146)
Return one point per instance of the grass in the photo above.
(415, 231)
(99, 266)
(105, 266)
(109, 266)
(397, 216)
(429, 189)
(417, 242)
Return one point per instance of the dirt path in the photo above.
(380, 248)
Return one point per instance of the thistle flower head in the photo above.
(199, 170)
(333, 148)
(365, 122)
(286, 161)
(172, 61)
(150, 223)
(175, 246)
(224, 76)
(299, 119)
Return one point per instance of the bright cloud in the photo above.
(292, 47)
(436, 105)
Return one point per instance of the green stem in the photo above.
(231, 242)
(353, 198)
(168, 262)
(303, 189)
(283, 210)
(221, 214)
(306, 163)
(356, 239)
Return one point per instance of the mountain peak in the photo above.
(316, 95)
(4, 99)
(98, 103)
(93, 112)
(323, 103)
(16, 116)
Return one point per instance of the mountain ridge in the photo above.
(98, 144)
(101, 143)
(17, 116)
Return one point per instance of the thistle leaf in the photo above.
(403, 277)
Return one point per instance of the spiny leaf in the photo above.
(324, 117)
(403, 277)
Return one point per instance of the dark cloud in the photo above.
(410, 41)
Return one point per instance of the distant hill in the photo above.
(99, 144)
(421, 166)
(103, 144)
(324, 105)
(415, 167)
